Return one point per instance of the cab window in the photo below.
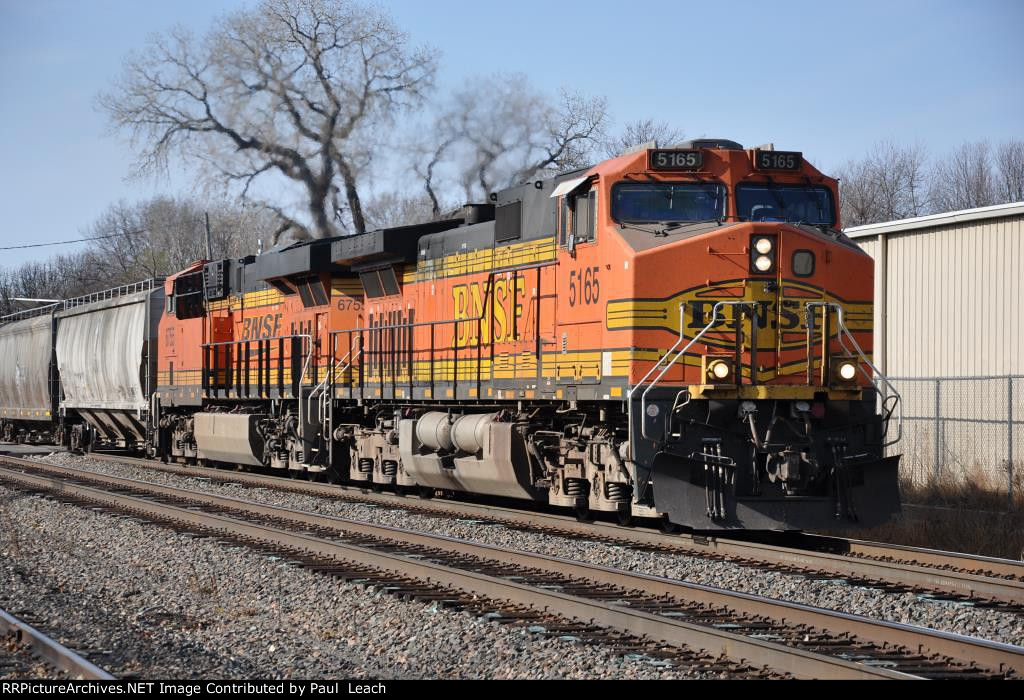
(583, 208)
(803, 204)
(667, 202)
(187, 299)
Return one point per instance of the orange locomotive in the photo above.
(680, 334)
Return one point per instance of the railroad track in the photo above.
(23, 644)
(981, 581)
(678, 622)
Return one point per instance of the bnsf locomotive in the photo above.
(681, 334)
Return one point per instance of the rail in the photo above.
(843, 330)
(322, 387)
(388, 351)
(237, 371)
(29, 313)
(56, 654)
(113, 292)
(891, 400)
(979, 578)
(761, 631)
(397, 358)
(682, 336)
(65, 304)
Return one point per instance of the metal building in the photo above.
(949, 292)
(949, 328)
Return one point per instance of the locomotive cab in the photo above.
(753, 401)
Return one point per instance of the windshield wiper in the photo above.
(633, 225)
(666, 226)
(778, 199)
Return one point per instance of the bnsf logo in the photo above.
(785, 316)
(261, 327)
(781, 318)
(470, 306)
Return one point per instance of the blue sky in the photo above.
(826, 78)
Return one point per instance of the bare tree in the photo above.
(157, 237)
(499, 131)
(858, 200)
(639, 132)
(1010, 171)
(133, 242)
(890, 182)
(901, 175)
(292, 88)
(393, 209)
(964, 179)
(60, 277)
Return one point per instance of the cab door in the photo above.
(580, 327)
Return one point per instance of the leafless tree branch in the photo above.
(286, 89)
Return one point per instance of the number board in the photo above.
(778, 160)
(675, 159)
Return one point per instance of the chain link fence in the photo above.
(964, 430)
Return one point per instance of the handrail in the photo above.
(114, 292)
(312, 393)
(308, 337)
(65, 304)
(682, 336)
(29, 313)
(329, 377)
(864, 358)
(486, 313)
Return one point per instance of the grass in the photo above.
(967, 515)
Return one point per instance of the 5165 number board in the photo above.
(674, 159)
(778, 160)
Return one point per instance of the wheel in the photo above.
(426, 492)
(625, 518)
(582, 513)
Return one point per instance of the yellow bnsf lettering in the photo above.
(784, 316)
(781, 315)
(261, 327)
(473, 305)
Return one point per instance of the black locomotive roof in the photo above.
(523, 212)
(388, 245)
(300, 258)
(530, 215)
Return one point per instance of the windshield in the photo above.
(636, 202)
(793, 203)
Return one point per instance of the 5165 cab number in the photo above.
(778, 160)
(584, 287)
(675, 159)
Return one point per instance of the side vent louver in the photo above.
(508, 221)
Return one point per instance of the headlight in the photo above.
(844, 370)
(719, 370)
(762, 254)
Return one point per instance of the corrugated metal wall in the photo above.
(955, 299)
(99, 354)
(954, 307)
(26, 348)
